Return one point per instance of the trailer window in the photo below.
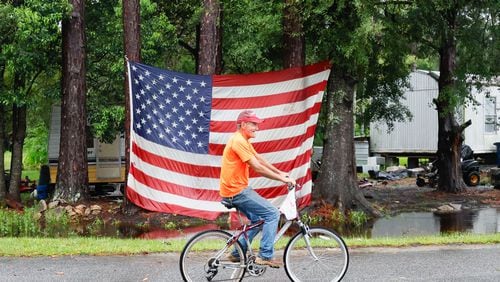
(490, 115)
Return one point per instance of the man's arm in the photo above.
(264, 168)
(271, 167)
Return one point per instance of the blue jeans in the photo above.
(256, 208)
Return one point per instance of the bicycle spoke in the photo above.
(330, 251)
(202, 260)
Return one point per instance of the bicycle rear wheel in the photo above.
(202, 258)
(332, 256)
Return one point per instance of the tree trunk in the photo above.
(449, 131)
(72, 177)
(132, 45)
(293, 35)
(210, 38)
(218, 41)
(3, 187)
(338, 159)
(16, 165)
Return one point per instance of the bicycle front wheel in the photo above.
(204, 258)
(321, 255)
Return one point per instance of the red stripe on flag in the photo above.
(268, 100)
(230, 80)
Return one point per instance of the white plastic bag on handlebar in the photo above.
(289, 206)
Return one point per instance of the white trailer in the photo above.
(106, 162)
(419, 136)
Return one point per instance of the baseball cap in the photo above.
(248, 116)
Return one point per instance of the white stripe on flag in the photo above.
(256, 91)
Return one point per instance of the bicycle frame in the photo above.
(304, 228)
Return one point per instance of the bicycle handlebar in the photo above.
(291, 186)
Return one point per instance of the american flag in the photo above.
(181, 122)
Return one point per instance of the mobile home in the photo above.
(418, 137)
(106, 162)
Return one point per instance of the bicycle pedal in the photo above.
(256, 270)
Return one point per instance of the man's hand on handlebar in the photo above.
(290, 181)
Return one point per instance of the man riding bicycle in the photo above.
(238, 156)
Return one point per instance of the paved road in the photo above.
(442, 263)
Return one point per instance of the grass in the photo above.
(32, 173)
(28, 247)
(446, 239)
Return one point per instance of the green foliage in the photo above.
(310, 219)
(318, 137)
(158, 37)
(184, 17)
(337, 217)
(29, 53)
(171, 225)
(6, 159)
(95, 227)
(7, 27)
(35, 146)
(107, 123)
(37, 36)
(105, 68)
(16, 224)
(358, 218)
(31, 46)
(365, 46)
(56, 223)
(403, 161)
(254, 36)
(428, 63)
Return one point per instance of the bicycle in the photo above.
(312, 254)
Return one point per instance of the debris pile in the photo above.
(75, 213)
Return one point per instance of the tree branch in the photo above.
(188, 47)
(465, 125)
(400, 2)
(28, 90)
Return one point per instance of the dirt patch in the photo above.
(397, 196)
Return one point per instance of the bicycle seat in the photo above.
(227, 204)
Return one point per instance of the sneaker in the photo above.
(232, 258)
(269, 262)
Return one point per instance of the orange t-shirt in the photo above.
(235, 169)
